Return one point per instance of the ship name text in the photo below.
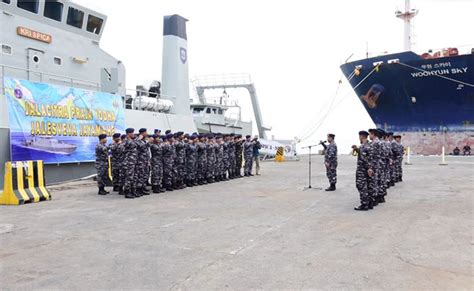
(440, 72)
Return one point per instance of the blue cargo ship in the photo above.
(427, 98)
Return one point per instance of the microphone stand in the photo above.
(309, 168)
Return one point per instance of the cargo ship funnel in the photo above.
(175, 78)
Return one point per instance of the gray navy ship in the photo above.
(58, 43)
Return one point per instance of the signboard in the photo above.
(59, 124)
(36, 35)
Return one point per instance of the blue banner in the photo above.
(59, 124)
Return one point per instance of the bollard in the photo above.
(408, 156)
(443, 159)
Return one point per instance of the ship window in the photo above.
(220, 111)
(75, 17)
(28, 5)
(57, 61)
(94, 24)
(208, 110)
(53, 10)
(6, 49)
(6, 1)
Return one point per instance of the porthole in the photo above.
(36, 59)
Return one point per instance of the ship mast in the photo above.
(407, 17)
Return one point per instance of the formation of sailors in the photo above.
(379, 166)
(171, 161)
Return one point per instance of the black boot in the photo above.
(362, 207)
(169, 187)
(102, 191)
(375, 202)
(145, 191)
(371, 205)
(137, 192)
(128, 194)
(155, 189)
(116, 189)
(121, 192)
(381, 199)
(332, 187)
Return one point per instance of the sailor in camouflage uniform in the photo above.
(168, 161)
(116, 161)
(330, 161)
(202, 160)
(211, 158)
(364, 172)
(121, 150)
(377, 190)
(130, 156)
(219, 158)
(156, 164)
(226, 161)
(102, 164)
(385, 161)
(231, 155)
(142, 172)
(399, 161)
(180, 161)
(191, 161)
(238, 155)
(248, 156)
(393, 158)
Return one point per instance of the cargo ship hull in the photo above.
(429, 101)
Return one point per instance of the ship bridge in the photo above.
(61, 14)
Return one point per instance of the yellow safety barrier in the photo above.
(280, 155)
(110, 169)
(24, 183)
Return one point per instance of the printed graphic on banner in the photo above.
(59, 124)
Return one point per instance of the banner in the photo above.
(59, 124)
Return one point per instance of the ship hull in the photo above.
(430, 102)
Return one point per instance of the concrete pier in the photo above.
(262, 232)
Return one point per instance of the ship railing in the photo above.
(222, 79)
(220, 101)
(38, 76)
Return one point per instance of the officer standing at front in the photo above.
(102, 164)
(330, 161)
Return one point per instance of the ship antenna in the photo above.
(407, 16)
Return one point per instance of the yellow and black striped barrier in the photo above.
(280, 155)
(24, 183)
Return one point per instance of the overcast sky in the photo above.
(292, 49)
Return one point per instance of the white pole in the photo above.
(443, 159)
(408, 156)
